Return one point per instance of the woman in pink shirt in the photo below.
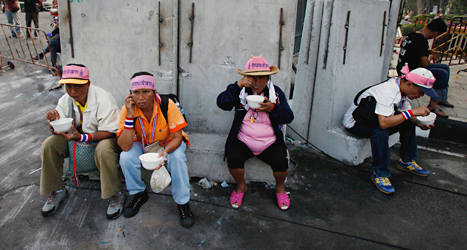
(256, 132)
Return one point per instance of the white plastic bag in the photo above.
(160, 179)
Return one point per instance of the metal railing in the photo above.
(19, 48)
(452, 45)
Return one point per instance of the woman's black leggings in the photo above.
(274, 155)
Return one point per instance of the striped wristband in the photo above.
(129, 123)
(407, 114)
(86, 137)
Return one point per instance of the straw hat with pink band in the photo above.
(144, 82)
(258, 66)
(422, 78)
(74, 74)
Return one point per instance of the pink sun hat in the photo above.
(258, 66)
(422, 78)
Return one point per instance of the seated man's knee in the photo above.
(52, 142)
(105, 149)
(102, 147)
(177, 155)
(380, 131)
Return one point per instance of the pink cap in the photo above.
(257, 64)
(74, 74)
(422, 78)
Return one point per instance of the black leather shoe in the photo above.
(133, 207)
(186, 216)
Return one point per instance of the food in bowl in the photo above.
(427, 120)
(62, 125)
(254, 100)
(150, 161)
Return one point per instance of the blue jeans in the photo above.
(54, 48)
(10, 16)
(441, 72)
(176, 164)
(379, 139)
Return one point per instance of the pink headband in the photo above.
(418, 79)
(75, 72)
(144, 82)
(257, 64)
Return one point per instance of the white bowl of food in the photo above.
(427, 120)
(62, 125)
(150, 161)
(254, 100)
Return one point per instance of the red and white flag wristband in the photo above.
(86, 137)
(129, 123)
(407, 114)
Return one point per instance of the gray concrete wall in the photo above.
(390, 36)
(326, 83)
(226, 34)
(118, 38)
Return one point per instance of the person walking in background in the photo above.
(11, 12)
(32, 14)
(415, 52)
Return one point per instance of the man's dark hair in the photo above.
(437, 25)
(141, 73)
(76, 64)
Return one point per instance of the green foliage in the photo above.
(459, 6)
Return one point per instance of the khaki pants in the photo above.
(55, 150)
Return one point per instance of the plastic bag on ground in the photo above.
(205, 183)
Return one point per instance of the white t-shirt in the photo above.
(387, 95)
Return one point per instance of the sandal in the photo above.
(236, 198)
(283, 201)
(438, 114)
(446, 104)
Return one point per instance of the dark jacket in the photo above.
(281, 114)
(30, 6)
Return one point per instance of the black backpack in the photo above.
(365, 111)
(165, 104)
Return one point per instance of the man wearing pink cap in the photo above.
(256, 131)
(392, 113)
(96, 120)
(145, 127)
